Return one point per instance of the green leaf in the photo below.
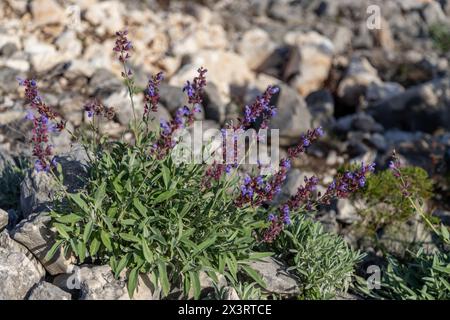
(87, 231)
(205, 244)
(148, 255)
(164, 196)
(93, 248)
(254, 275)
(195, 280)
(132, 281)
(62, 230)
(445, 233)
(162, 270)
(140, 207)
(128, 222)
(69, 218)
(129, 237)
(123, 262)
(106, 240)
(166, 176)
(76, 197)
(81, 251)
(53, 250)
(100, 195)
(260, 255)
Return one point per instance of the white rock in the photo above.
(316, 59)
(208, 37)
(225, 68)
(69, 45)
(43, 55)
(98, 283)
(277, 279)
(36, 235)
(255, 47)
(46, 12)
(360, 74)
(19, 270)
(47, 291)
(107, 16)
(19, 6)
(4, 219)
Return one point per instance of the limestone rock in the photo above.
(47, 291)
(19, 270)
(35, 233)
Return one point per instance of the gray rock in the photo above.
(19, 270)
(215, 108)
(357, 122)
(36, 235)
(277, 279)
(359, 75)
(36, 192)
(121, 103)
(231, 294)
(255, 47)
(377, 92)
(38, 189)
(173, 97)
(9, 76)
(293, 117)
(346, 211)
(103, 83)
(420, 108)
(47, 291)
(207, 284)
(433, 13)
(4, 219)
(321, 105)
(98, 283)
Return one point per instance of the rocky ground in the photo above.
(371, 90)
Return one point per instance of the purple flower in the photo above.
(286, 163)
(320, 132)
(306, 142)
(362, 182)
(259, 180)
(271, 217)
(260, 108)
(165, 126)
(29, 115)
(287, 219)
(151, 94)
(285, 209)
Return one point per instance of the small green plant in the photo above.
(386, 203)
(440, 34)
(10, 179)
(323, 262)
(152, 216)
(420, 274)
(421, 277)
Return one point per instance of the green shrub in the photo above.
(385, 202)
(323, 262)
(421, 277)
(440, 34)
(10, 179)
(152, 216)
